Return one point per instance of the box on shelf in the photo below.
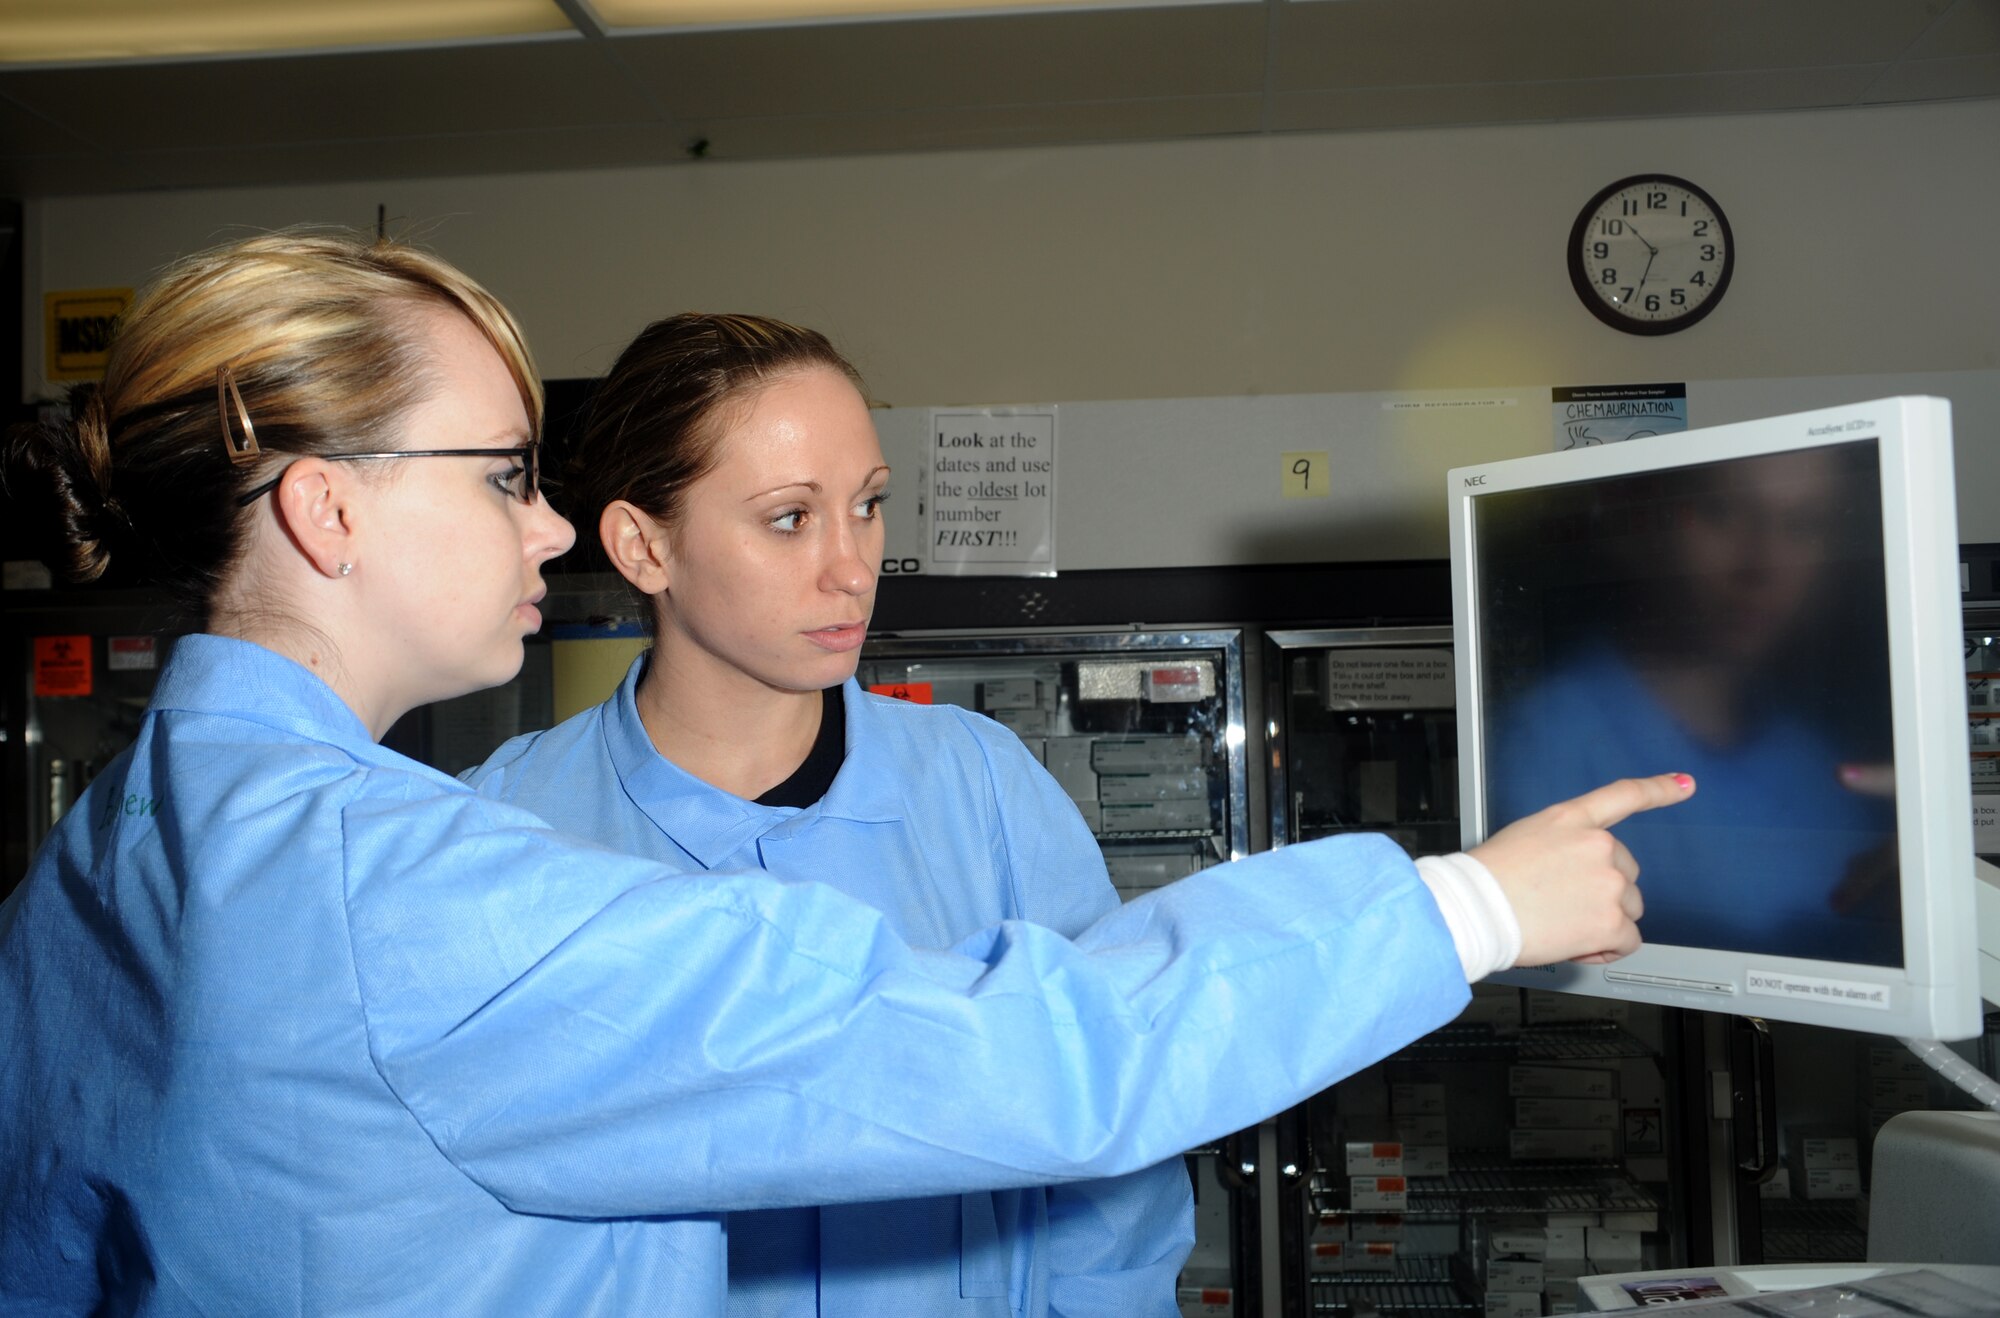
(1117, 788)
(1327, 1255)
(1068, 762)
(1411, 1098)
(1422, 1129)
(1146, 754)
(1566, 1242)
(1008, 693)
(1566, 1113)
(1330, 1227)
(1496, 1006)
(1516, 1238)
(1612, 1251)
(1896, 1061)
(1778, 1187)
(1513, 1304)
(1563, 1295)
(1206, 1301)
(1378, 1194)
(1514, 1275)
(1371, 1256)
(1375, 1228)
(1426, 1160)
(1155, 816)
(1561, 1082)
(1898, 1091)
(1547, 1007)
(1631, 1220)
(1374, 1158)
(1562, 1145)
(1832, 1182)
(1810, 1150)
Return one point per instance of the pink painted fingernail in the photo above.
(1684, 781)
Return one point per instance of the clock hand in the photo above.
(1651, 250)
(1650, 254)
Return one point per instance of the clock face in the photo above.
(1651, 254)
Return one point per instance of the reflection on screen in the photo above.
(1725, 620)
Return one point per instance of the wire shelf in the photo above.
(1410, 1292)
(1481, 1185)
(1567, 1041)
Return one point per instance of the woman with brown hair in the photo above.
(296, 1024)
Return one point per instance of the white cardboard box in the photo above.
(1833, 1182)
(1205, 1301)
(1513, 1304)
(1426, 1160)
(1518, 1239)
(1562, 1145)
(1514, 1275)
(1422, 1129)
(1371, 1228)
(1416, 1099)
(1561, 1082)
(1566, 1113)
(1371, 1256)
(1374, 1158)
(1378, 1194)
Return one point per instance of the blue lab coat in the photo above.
(942, 820)
(293, 1024)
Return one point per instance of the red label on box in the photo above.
(62, 665)
(1390, 1185)
(917, 693)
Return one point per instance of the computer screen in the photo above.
(1773, 608)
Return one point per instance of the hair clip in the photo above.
(227, 395)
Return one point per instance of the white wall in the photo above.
(1220, 268)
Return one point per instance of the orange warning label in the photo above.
(62, 665)
(917, 693)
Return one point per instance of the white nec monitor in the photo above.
(1773, 608)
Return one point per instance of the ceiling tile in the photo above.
(318, 162)
(24, 132)
(1971, 27)
(525, 85)
(1607, 98)
(1105, 55)
(1376, 43)
(1938, 80)
(962, 127)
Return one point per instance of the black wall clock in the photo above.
(1651, 254)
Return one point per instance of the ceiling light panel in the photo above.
(75, 31)
(657, 14)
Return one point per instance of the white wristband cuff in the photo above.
(1482, 924)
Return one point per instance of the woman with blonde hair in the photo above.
(318, 1029)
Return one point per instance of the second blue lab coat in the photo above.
(942, 820)
(296, 1025)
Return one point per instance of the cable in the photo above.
(1940, 1058)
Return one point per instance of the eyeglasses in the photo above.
(524, 482)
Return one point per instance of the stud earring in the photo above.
(346, 568)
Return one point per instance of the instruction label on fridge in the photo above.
(1389, 679)
(993, 492)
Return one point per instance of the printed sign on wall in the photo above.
(1588, 415)
(77, 329)
(993, 492)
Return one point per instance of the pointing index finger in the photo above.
(1613, 802)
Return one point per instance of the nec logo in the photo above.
(1475, 480)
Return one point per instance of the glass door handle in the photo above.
(1753, 1105)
